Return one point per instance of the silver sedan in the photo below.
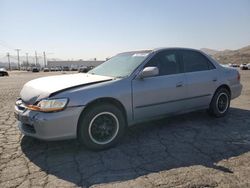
(131, 87)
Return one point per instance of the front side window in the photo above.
(167, 63)
(195, 61)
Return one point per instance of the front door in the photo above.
(161, 94)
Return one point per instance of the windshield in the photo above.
(121, 65)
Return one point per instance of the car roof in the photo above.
(175, 48)
(160, 49)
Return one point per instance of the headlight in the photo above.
(49, 105)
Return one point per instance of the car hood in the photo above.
(44, 87)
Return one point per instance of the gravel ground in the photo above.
(192, 150)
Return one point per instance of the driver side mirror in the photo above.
(149, 72)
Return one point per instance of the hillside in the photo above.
(239, 56)
(209, 51)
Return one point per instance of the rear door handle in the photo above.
(215, 80)
(179, 84)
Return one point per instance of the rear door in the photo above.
(201, 77)
(161, 94)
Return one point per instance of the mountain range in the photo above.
(239, 56)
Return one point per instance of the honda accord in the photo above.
(131, 87)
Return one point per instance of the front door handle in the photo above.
(179, 84)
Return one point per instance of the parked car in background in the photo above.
(73, 68)
(248, 66)
(52, 69)
(233, 65)
(46, 69)
(85, 69)
(58, 69)
(244, 66)
(131, 87)
(3, 72)
(35, 69)
(65, 68)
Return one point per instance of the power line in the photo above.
(13, 57)
(5, 45)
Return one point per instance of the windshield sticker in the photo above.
(140, 55)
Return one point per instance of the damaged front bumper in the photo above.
(48, 126)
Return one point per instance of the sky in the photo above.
(85, 29)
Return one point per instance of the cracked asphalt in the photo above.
(191, 150)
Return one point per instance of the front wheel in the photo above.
(220, 103)
(101, 126)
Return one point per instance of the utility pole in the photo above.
(27, 60)
(36, 58)
(18, 60)
(44, 59)
(8, 55)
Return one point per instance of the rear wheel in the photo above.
(220, 103)
(101, 126)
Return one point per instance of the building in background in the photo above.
(73, 63)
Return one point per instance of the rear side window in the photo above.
(195, 61)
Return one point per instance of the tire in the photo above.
(220, 103)
(101, 127)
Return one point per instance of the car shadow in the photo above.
(180, 141)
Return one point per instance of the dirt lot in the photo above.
(192, 150)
